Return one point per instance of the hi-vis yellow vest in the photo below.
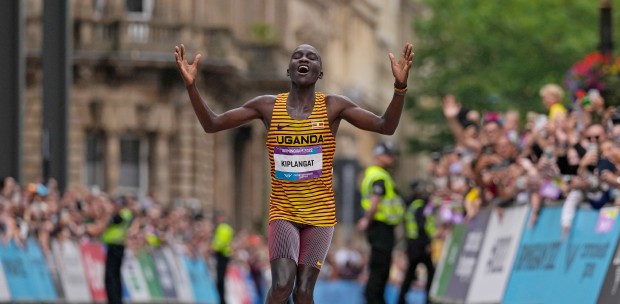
(390, 209)
(116, 233)
(222, 239)
(412, 226)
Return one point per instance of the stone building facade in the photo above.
(132, 128)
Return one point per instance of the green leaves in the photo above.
(495, 55)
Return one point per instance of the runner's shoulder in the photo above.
(336, 101)
(262, 102)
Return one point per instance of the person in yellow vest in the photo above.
(420, 228)
(384, 210)
(221, 245)
(302, 126)
(114, 238)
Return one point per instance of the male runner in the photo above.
(302, 126)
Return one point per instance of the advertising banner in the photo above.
(610, 292)
(5, 294)
(549, 269)
(468, 256)
(133, 278)
(164, 274)
(39, 275)
(452, 248)
(180, 276)
(15, 271)
(203, 285)
(93, 258)
(150, 274)
(497, 255)
(236, 288)
(54, 274)
(69, 264)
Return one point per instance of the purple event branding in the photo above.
(298, 163)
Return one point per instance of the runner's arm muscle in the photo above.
(366, 120)
(212, 122)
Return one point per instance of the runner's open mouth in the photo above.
(303, 69)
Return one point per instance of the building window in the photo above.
(133, 173)
(139, 9)
(94, 171)
(98, 9)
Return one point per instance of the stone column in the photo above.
(162, 167)
(112, 162)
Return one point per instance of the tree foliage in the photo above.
(495, 55)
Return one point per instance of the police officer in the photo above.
(114, 238)
(384, 209)
(420, 228)
(221, 246)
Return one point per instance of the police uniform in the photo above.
(380, 230)
(114, 238)
(420, 229)
(221, 245)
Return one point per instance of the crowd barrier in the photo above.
(489, 260)
(74, 273)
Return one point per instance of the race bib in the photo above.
(298, 163)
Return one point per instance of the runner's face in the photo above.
(305, 65)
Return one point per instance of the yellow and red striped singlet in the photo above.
(301, 153)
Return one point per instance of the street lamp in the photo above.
(606, 43)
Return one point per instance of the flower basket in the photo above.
(595, 71)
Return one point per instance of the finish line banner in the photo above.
(497, 255)
(551, 270)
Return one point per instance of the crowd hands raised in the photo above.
(569, 155)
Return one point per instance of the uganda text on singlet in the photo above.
(301, 154)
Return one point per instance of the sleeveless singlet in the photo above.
(301, 154)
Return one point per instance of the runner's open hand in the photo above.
(188, 71)
(400, 69)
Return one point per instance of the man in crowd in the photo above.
(221, 246)
(420, 228)
(384, 210)
(114, 238)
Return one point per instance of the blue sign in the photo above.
(203, 286)
(26, 272)
(548, 269)
(352, 292)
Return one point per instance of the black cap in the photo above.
(387, 147)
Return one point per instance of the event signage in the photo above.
(202, 283)
(150, 274)
(180, 276)
(566, 267)
(163, 274)
(451, 249)
(69, 264)
(93, 258)
(133, 279)
(468, 256)
(610, 291)
(497, 255)
(38, 275)
(5, 294)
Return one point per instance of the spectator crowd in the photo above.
(569, 155)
